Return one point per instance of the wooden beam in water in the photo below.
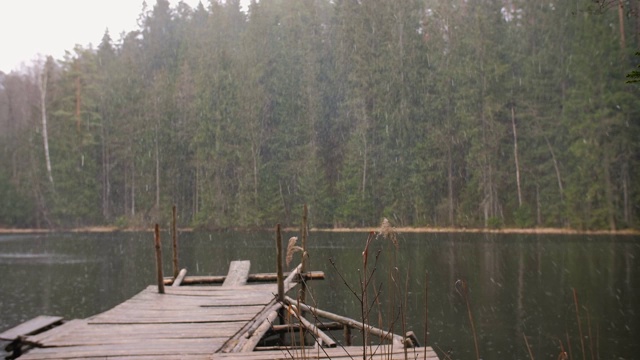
(252, 278)
(338, 353)
(320, 337)
(325, 326)
(397, 339)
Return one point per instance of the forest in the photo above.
(460, 113)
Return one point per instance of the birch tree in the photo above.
(42, 75)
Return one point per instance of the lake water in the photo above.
(517, 284)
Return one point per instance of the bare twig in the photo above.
(465, 294)
(575, 301)
(528, 347)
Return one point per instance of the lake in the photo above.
(516, 284)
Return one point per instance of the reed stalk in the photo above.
(426, 311)
(465, 295)
(528, 347)
(575, 301)
(569, 345)
(590, 337)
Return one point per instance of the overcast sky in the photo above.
(49, 27)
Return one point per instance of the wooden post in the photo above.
(159, 260)
(347, 335)
(303, 285)
(174, 238)
(279, 264)
(280, 279)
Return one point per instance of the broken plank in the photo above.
(238, 273)
(30, 327)
(180, 278)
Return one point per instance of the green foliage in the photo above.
(409, 110)
(634, 75)
(15, 208)
(494, 223)
(523, 218)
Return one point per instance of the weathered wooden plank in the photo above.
(30, 327)
(189, 319)
(238, 273)
(154, 347)
(179, 308)
(165, 357)
(57, 331)
(257, 335)
(83, 333)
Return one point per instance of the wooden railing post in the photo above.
(174, 238)
(279, 264)
(304, 232)
(347, 335)
(159, 260)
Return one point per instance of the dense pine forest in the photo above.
(462, 113)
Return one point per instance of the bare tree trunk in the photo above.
(254, 154)
(133, 187)
(625, 194)
(196, 189)
(157, 172)
(621, 20)
(515, 154)
(557, 169)
(538, 206)
(106, 169)
(450, 184)
(78, 104)
(609, 192)
(43, 107)
(364, 167)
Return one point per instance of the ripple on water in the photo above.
(39, 259)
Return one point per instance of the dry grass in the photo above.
(560, 231)
(292, 249)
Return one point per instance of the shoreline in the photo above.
(542, 231)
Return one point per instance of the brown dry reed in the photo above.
(292, 248)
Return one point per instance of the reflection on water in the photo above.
(517, 284)
(36, 259)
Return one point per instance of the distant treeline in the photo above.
(465, 113)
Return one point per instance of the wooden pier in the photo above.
(230, 321)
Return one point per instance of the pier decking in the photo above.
(185, 322)
(188, 322)
(230, 321)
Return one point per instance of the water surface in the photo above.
(517, 284)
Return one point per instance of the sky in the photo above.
(47, 27)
